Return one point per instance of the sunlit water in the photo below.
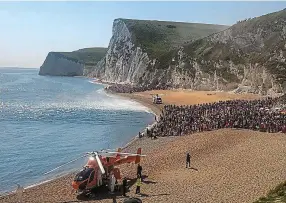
(46, 121)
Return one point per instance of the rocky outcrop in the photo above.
(75, 63)
(57, 64)
(249, 56)
(124, 62)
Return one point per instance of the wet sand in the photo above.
(227, 165)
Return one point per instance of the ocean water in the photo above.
(46, 121)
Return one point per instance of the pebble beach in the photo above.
(227, 165)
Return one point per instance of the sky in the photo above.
(30, 30)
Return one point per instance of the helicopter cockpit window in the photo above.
(83, 175)
(91, 176)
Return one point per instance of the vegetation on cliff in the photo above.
(87, 56)
(84, 62)
(278, 194)
(258, 41)
(158, 37)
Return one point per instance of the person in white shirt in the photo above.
(113, 180)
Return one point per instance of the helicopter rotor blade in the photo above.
(122, 153)
(99, 163)
(65, 164)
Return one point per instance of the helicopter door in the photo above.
(116, 172)
(91, 177)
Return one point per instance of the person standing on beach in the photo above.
(138, 184)
(112, 181)
(188, 160)
(124, 185)
(139, 171)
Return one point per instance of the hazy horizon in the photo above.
(33, 29)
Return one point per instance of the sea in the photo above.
(46, 121)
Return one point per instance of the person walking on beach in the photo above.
(138, 185)
(124, 185)
(188, 160)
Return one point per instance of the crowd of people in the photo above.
(255, 115)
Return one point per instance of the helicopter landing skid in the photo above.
(83, 193)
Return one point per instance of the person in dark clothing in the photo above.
(139, 171)
(188, 161)
(124, 185)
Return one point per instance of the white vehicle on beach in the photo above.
(157, 99)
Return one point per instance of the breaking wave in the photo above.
(107, 102)
(48, 120)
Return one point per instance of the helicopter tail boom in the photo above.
(137, 160)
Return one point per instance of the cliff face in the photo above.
(249, 56)
(124, 62)
(135, 44)
(59, 65)
(76, 63)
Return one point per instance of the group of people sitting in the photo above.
(255, 115)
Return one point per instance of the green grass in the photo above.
(204, 49)
(277, 195)
(87, 56)
(158, 37)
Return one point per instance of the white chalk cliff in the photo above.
(58, 65)
(249, 56)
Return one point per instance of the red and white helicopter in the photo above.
(99, 168)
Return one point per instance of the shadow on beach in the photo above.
(192, 168)
(101, 193)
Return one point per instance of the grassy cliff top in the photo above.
(276, 195)
(157, 37)
(242, 45)
(88, 56)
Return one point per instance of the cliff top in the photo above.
(252, 40)
(249, 35)
(157, 37)
(88, 56)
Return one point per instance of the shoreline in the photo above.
(153, 109)
(221, 160)
(139, 97)
(128, 143)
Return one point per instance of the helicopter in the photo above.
(99, 168)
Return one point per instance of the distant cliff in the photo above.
(248, 56)
(76, 63)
